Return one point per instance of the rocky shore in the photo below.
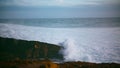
(50, 64)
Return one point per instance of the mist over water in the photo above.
(99, 43)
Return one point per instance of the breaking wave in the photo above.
(79, 44)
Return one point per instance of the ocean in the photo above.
(84, 39)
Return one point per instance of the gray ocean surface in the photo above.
(66, 22)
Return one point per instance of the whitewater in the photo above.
(80, 44)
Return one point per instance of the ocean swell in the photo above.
(79, 44)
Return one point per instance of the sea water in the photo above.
(84, 39)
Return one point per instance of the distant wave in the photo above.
(79, 44)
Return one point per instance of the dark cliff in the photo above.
(11, 49)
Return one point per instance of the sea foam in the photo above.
(79, 44)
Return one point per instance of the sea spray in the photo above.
(72, 51)
(69, 50)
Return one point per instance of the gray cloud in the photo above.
(56, 2)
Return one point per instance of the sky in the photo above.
(59, 8)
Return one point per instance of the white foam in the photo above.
(80, 44)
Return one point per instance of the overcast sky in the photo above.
(59, 8)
